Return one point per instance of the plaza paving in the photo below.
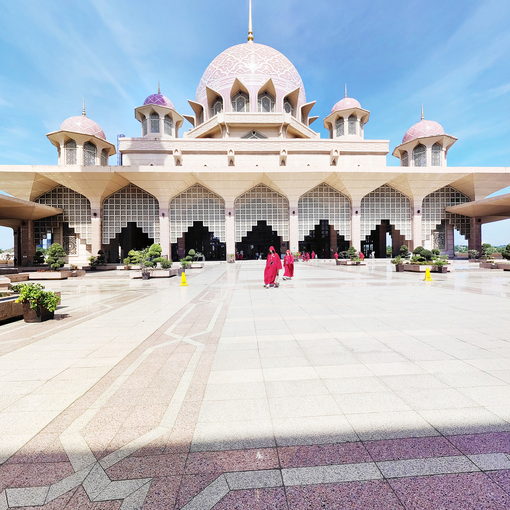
(346, 388)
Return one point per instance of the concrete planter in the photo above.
(347, 262)
(415, 268)
(49, 275)
(9, 309)
(156, 273)
(439, 269)
(503, 265)
(488, 265)
(19, 277)
(196, 265)
(399, 268)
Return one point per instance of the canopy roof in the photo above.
(489, 209)
(14, 210)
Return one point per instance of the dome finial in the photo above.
(83, 109)
(159, 88)
(250, 22)
(345, 90)
(422, 114)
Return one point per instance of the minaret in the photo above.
(250, 23)
(422, 114)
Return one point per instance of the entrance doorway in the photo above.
(131, 237)
(199, 238)
(380, 238)
(324, 241)
(257, 241)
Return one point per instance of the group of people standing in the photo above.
(273, 266)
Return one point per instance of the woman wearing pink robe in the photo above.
(273, 265)
(313, 255)
(288, 264)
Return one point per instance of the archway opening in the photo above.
(255, 244)
(448, 239)
(324, 240)
(384, 241)
(131, 237)
(199, 238)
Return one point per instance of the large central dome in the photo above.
(253, 64)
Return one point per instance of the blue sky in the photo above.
(394, 55)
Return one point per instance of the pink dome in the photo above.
(345, 104)
(253, 64)
(423, 129)
(159, 100)
(82, 124)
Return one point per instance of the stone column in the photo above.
(230, 230)
(79, 154)
(417, 233)
(475, 235)
(293, 228)
(356, 226)
(26, 242)
(164, 232)
(96, 230)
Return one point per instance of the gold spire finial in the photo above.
(345, 90)
(83, 109)
(159, 88)
(250, 22)
(422, 114)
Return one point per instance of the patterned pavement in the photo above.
(345, 388)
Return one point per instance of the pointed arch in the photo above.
(324, 203)
(261, 203)
(76, 215)
(434, 212)
(240, 97)
(197, 203)
(266, 98)
(130, 204)
(386, 203)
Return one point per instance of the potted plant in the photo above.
(440, 266)
(38, 304)
(38, 257)
(127, 263)
(399, 263)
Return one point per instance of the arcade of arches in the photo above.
(323, 221)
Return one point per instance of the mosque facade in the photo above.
(250, 172)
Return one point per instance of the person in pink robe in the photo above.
(313, 255)
(288, 264)
(335, 255)
(273, 265)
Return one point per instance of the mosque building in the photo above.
(250, 173)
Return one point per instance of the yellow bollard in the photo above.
(184, 283)
(427, 278)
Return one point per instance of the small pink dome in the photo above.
(253, 64)
(345, 104)
(422, 129)
(159, 100)
(82, 124)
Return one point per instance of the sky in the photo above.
(394, 56)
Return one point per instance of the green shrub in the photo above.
(398, 260)
(39, 256)
(352, 253)
(127, 261)
(473, 254)
(185, 262)
(418, 250)
(35, 295)
(436, 252)
(404, 251)
(427, 254)
(166, 264)
(154, 251)
(55, 256)
(134, 256)
(505, 253)
(487, 250)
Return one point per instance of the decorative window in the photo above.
(168, 125)
(154, 123)
(240, 102)
(434, 212)
(324, 203)
(217, 106)
(254, 135)
(436, 154)
(197, 203)
(339, 126)
(144, 125)
(70, 152)
(89, 154)
(386, 203)
(420, 155)
(130, 204)
(404, 159)
(266, 103)
(76, 214)
(261, 203)
(104, 157)
(287, 107)
(352, 124)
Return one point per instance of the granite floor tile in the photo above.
(491, 442)
(467, 491)
(369, 495)
(254, 499)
